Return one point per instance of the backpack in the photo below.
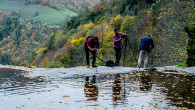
(110, 63)
(88, 37)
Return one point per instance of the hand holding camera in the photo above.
(124, 36)
(95, 49)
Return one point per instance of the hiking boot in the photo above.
(94, 65)
(117, 64)
(88, 66)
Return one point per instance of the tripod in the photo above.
(99, 59)
(126, 41)
(91, 58)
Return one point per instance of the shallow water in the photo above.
(145, 90)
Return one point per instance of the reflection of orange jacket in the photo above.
(116, 88)
(91, 90)
(116, 92)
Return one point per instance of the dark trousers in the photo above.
(87, 56)
(118, 54)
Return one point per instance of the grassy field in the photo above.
(45, 13)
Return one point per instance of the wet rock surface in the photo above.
(95, 88)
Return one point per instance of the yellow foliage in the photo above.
(32, 66)
(57, 26)
(61, 67)
(45, 63)
(164, 12)
(60, 33)
(108, 42)
(15, 59)
(8, 37)
(102, 30)
(101, 50)
(77, 42)
(148, 12)
(8, 51)
(101, 20)
(159, 17)
(109, 37)
(41, 50)
(29, 26)
(127, 23)
(88, 26)
(117, 21)
(182, 53)
(149, 28)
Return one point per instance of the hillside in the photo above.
(74, 5)
(37, 12)
(19, 38)
(54, 46)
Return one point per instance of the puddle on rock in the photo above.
(13, 82)
(145, 90)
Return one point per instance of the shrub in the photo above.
(78, 42)
(117, 21)
(41, 50)
(55, 64)
(88, 26)
(127, 23)
(101, 20)
(184, 64)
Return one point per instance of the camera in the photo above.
(95, 49)
(124, 36)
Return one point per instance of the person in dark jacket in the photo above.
(118, 45)
(92, 45)
(146, 46)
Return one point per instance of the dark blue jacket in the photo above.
(146, 44)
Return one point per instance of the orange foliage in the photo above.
(44, 2)
(3, 52)
(67, 44)
(79, 35)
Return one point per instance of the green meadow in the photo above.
(36, 12)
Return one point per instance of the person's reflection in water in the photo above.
(116, 88)
(145, 83)
(91, 89)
